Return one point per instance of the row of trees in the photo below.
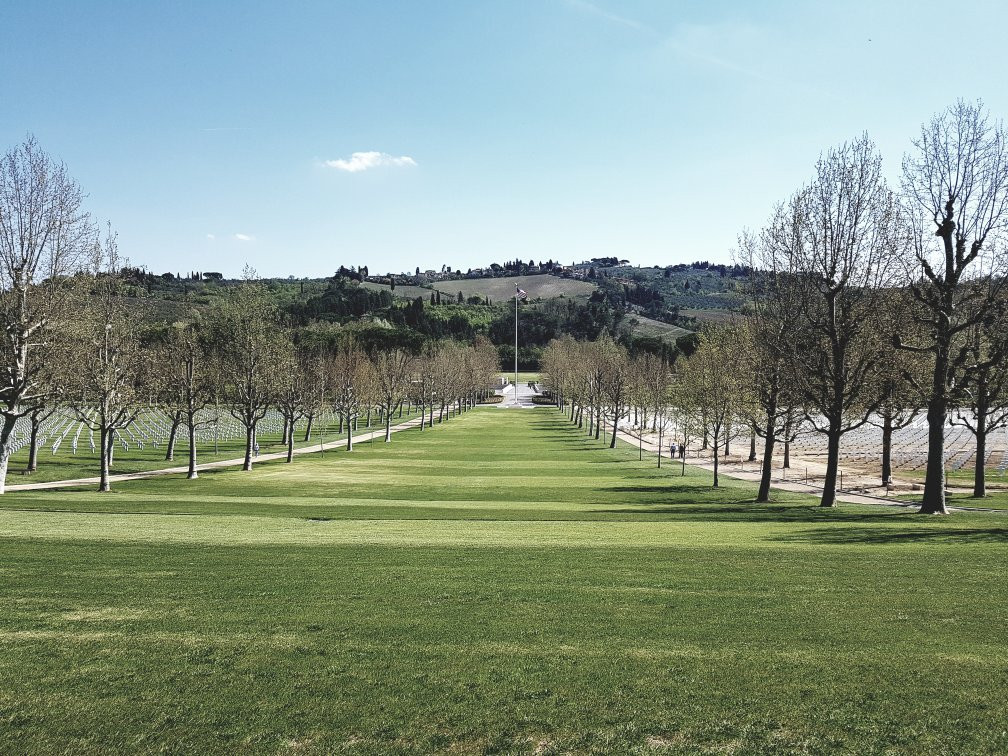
(74, 339)
(868, 300)
(724, 391)
(867, 304)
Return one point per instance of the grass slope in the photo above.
(498, 583)
(540, 286)
(654, 328)
(404, 291)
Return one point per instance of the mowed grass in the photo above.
(498, 583)
(995, 499)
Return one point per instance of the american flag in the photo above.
(520, 293)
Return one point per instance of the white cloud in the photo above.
(244, 237)
(211, 237)
(361, 161)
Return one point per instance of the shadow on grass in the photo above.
(888, 536)
(745, 510)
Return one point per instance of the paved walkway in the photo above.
(798, 486)
(525, 394)
(339, 442)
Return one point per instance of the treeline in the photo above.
(409, 323)
(76, 339)
(869, 305)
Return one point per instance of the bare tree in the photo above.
(956, 182)
(899, 373)
(43, 234)
(711, 386)
(844, 254)
(111, 372)
(654, 376)
(348, 370)
(294, 394)
(247, 333)
(615, 381)
(772, 324)
(392, 371)
(985, 391)
(189, 377)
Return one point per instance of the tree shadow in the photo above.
(738, 512)
(888, 536)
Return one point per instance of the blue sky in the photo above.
(214, 134)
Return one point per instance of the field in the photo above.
(654, 328)
(497, 583)
(542, 286)
(712, 316)
(401, 290)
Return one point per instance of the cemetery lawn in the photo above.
(996, 498)
(65, 465)
(498, 583)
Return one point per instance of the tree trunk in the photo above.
(766, 469)
(176, 421)
(307, 433)
(715, 460)
(832, 466)
(598, 421)
(980, 469)
(388, 427)
(934, 482)
(615, 427)
(33, 444)
(752, 444)
(107, 438)
(249, 436)
(887, 430)
(5, 434)
(349, 436)
(290, 443)
(193, 474)
(423, 411)
(287, 431)
(659, 447)
(937, 413)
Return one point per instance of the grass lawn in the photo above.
(497, 583)
(995, 499)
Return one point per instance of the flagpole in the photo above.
(516, 347)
